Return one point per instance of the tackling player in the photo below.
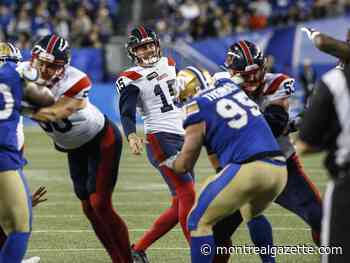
(224, 120)
(92, 142)
(15, 214)
(246, 66)
(150, 86)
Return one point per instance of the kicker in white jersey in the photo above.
(156, 95)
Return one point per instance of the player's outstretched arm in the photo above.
(327, 44)
(63, 108)
(37, 96)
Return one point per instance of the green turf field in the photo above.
(62, 234)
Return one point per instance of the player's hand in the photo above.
(311, 33)
(37, 196)
(44, 115)
(135, 143)
(169, 162)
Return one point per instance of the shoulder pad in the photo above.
(171, 62)
(126, 78)
(274, 82)
(280, 87)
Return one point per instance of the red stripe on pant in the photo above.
(184, 189)
(160, 156)
(312, 186)
(105, 173)
(101, 201)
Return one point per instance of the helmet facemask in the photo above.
(143, 46)
(49, 69)
(146, 54)
(50, 56)
(251, 77)
(9, 52)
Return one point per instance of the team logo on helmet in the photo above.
(143, 46)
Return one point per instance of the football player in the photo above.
(224, 120)
(92, 142)
(37, 198)
(150, 87)
(246, 66)
(15, 214)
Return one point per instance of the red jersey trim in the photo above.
(171, 62)
(133, 75)
(77, 87)
(275, 84)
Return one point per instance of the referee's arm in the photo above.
(315, 124)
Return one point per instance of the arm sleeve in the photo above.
(127, 108)
(277, 118)
(193, 113)
(314, 126)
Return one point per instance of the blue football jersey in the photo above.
(11, 130)
(235, 128)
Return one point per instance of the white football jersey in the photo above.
(157, 93)
(81, 126)
(276, 86)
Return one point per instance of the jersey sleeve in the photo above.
(127, 78)
(80, 89)
(193, 113)
(281, 87)
(128, 97)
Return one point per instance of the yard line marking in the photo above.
(127, 203)
(173, 230)
(79, 216)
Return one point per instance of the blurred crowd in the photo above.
(193, 20)
(85, 23)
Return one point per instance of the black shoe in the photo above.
(139, 256)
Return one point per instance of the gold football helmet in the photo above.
(191, 81)
(9, 52)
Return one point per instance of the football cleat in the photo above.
(31, 260)
(139, 256)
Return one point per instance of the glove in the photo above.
(311, 33)
(169, 162)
